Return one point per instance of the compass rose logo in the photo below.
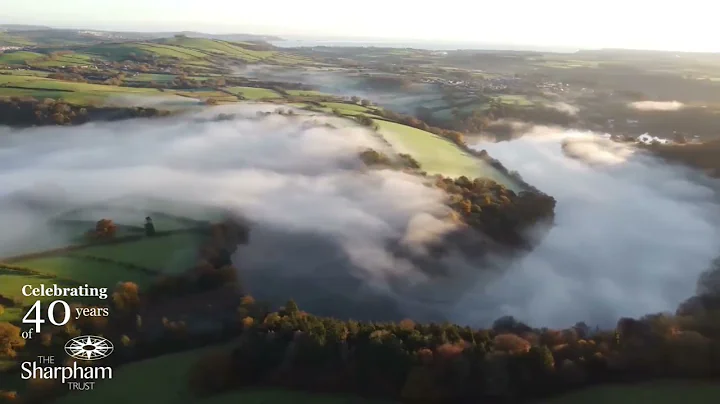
(89, 348)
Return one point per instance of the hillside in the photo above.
(36, 35)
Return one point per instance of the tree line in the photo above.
(486, 205)
(405, 361)
(28, 111)
(448, 363)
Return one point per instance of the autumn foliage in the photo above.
(104, 229)
(126, 297)
(10, 340)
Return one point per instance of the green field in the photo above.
(174, 253)
(125, 50)
(49, 84)
(307, 93)
(18, 58)
(23, 73)
(73, 59)
(13, 40)
(344, 109)
(346, 106)
(11, 283)
(12, 315)
(163, 380)
(16, 79)
(147, 77)
(170, 51)
(116, 51)
(72, 92)
(437, 155)
(660, 392)
(289, 60)
(220, 48)
(85, 271)
(164, 223)
(253, 93)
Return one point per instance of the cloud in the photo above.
(596, 150)
(564, 107)
(319, 218)
(657, 105)
(631, 234)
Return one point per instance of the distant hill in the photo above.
(34, 35)
(229, 37)
(21, 27)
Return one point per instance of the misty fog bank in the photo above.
(657, 105)
(631, 236)
(344, 83)
(320, 219)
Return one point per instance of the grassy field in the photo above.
(124, 50)
(163, 223)
(174, 253)
(307, 93)
(210, 47)
(343, 108)
(253, 93)
(660, 392)
(77, 93)
(15, 79)
(147, 77)
(85, 271)
(23, 73)
(12, 315)
(116, 51)
(163, 380)
(289, 60)
(437, 155)
(13, 40)
(11, 283)
(177, 52)
(74, 59)
(49, 84)
(18, 58)
(347, 107)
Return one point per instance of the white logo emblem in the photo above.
(89, 348)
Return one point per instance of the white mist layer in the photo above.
(631, 235)
(657, 105)
(287, 173)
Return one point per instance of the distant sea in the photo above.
(428, 45)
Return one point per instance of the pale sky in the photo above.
(688, 25)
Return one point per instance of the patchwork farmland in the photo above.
(130, 256)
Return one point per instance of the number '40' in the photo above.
(37, 320)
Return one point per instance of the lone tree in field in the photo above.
(104, 229)
(149, 227)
